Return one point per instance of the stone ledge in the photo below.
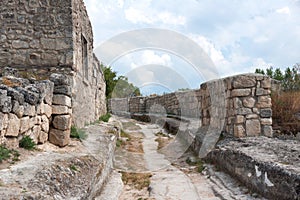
(78, 171)
(268, 166)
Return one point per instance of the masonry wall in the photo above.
(238, 105)
(39, 38)
(36, 33)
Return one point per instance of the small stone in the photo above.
(35, 134)
(252, 116)
(240, 92)
(253, 127)
(264, 102)
(239, 131)
(45, 123)
(244, 111)
(266, 113)
(43, 137)
(59, 137)
(268, 131)
(29, 110)
(249, 102)
(19, 44)
(18, 109)
(3, 121)
(266, 121)
(240, 119)
(47, 110)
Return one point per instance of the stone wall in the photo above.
(39, 38)
(238, 105)
(25, 109)
(36, 33)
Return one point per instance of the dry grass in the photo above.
(285, 106)
(136, 180)
(162, 140)
(9, 83)
(132, 143)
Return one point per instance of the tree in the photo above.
(290, 78)
(118, 86)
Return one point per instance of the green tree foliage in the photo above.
(290, 78)
(118, 86)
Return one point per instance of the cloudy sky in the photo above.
(237, 35)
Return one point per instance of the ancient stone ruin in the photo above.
(48, 45)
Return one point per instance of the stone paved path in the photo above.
(171, 179)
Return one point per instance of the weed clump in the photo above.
(78, 133)
(105, 117)
(27, 143)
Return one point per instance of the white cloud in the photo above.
(212, 51)
(150, 57)
(284, 10)
(149, 16)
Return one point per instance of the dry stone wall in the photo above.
(25, 109)
(238, 105)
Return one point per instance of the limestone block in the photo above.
(36, 130)
(253, 127)
(60, 110)
(249, 102)
(32, 122)
(267, 131)
(243, 111)
(48, 43)
(59, 137)
(62, 122)
(60, 79)
(19, 44)
(252, 116)
(63, 89)
(47, 110)
(266, 113)
(13, 125)
(244, 82)
(5, 103)
(239, 131)
(45, 123)
(266, 83)
(29, 96)
(266, 121)
(237, 103)
(264, 102)
(18, 109)
(24, 124)
(240, 119)
(43, 137)
(63, 100)
(29, 110)
(3, 121)
(240, 92)
(262, 91)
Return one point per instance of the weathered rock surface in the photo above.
(268, 166)
(76, 172)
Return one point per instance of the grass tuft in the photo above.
(105, 117)
(78, 133)
(27, 143)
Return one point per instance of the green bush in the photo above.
(78, 133)
(105, 117)
(27, 143)
(6, 153)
